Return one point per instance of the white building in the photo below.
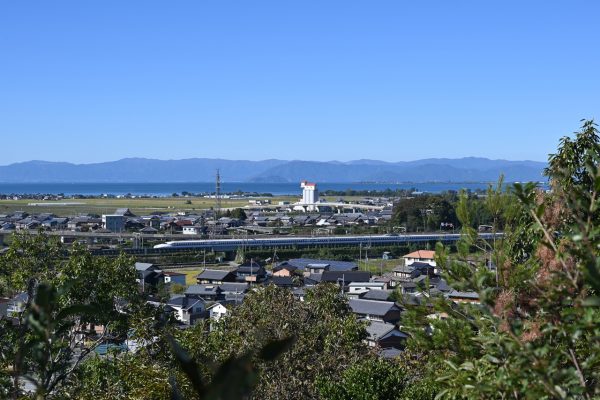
(421, 256)
(217, 311)
(192, 230)
(310, 196)
(114, 223)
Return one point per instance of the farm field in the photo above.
(139, 206)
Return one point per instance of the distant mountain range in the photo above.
(470, 169)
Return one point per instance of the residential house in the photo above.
(408, 287)
(234, 288)
(152, 221)
(402, 273)
(28, 223)
(284, 270)
(148, 274)
(234, 298)
(125, 212)
(355, 289)
(344, 278)
(421, 268)
(193, 230)
(315, 268)
(187, 309)
(230, 222)
(216, 277)
(333, 265)
(376, 294)
(463, 297)
(208, 292)
(217, 311)
(283, 281)
(299, 293)
(422, 256)
(385, 311)
(114, 223)
(174, 277)
(8, 226)
(16, 306)
(56, 223)
(251, 272)
(385, 335)
(84, 222)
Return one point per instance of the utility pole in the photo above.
(360, 253)
(218, 196)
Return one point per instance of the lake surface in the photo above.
(166, 189)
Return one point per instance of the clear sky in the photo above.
(89, 81)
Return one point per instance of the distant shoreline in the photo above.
(240, 188)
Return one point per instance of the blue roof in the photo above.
(302, 263)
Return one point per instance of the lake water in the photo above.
(166, 189)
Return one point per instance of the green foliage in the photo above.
(536, 334)
(329, 339)
(29, 260)
(66, 298)
(409, 376)
(239, 214)
(425, 212)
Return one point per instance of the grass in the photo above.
(190, 274)
(375, 266)
(137, 206)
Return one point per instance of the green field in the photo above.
(109, 205)
(137, 206)
(190, 274)
(377, 266)
(374, 266)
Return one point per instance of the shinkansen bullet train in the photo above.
(232, 244)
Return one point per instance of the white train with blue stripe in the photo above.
(308, 241)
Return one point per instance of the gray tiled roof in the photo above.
(182, 301)
(390, 353)
(234, 297)
(202, 290)
(282, 280)
(374, 294)
(443, 286)
(143, 266)
(403, 269)
(302, 263)
(465, 295)
(372, 307)
(346, 276)
(377, 330)
(213, 274)
(231, 287)
(407, 299)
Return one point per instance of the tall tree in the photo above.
(537, 332)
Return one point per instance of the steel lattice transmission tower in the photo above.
(218, 196)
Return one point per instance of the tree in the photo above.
(328, 339)
(239, 214)
(375, 378)
(66, 299)
(537, 332)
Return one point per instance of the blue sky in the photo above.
(315, 80)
